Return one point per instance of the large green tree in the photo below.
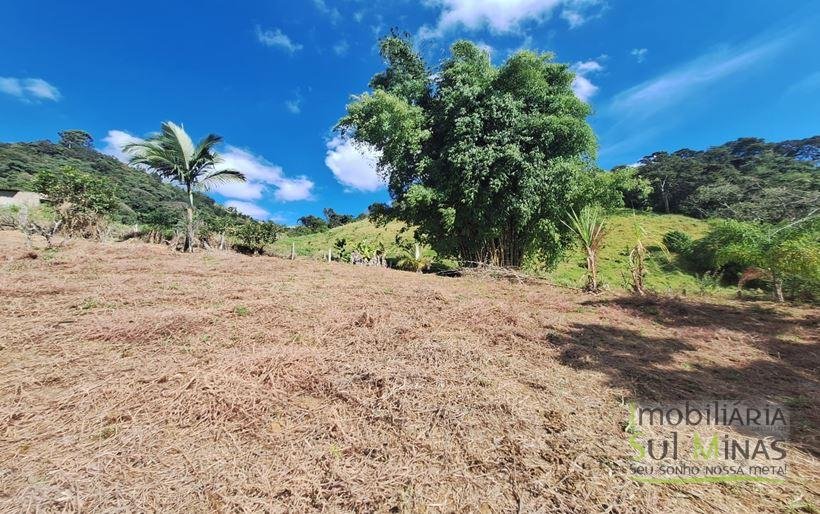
(76, 139)
(484, 160)
(172, 154)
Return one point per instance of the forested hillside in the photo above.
(142, 197)
(746, 179)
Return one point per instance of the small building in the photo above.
(15, 197)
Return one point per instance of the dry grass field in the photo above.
(137, 379)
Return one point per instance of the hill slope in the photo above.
(316, 245)
(663, 275)
(220, 382)
(141, 194)
(666, 272)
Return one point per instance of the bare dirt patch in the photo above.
(133, 378)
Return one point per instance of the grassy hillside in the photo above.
(316, 245)
(665, 274)
(140, 194)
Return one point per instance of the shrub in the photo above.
(787, 255)
(678, 242)
(253, 236)
(80, 199)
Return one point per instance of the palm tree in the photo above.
(589, 229)
(172, 155)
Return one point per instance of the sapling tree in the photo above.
(590, 230)
(638, 261)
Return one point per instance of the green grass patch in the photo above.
(316, 245)
(667, 273)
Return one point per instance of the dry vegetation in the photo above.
(136, 379)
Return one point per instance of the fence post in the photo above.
(292, 251)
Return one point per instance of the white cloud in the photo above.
(243, 190)
(39, 88)
(249, 209)
(260, 176)
(581, 85)
(583, 88)
(573, 18)
(341, 48)
(354, 166)
(332, 12)
(293, 189)
(578, 12)
(585, 67)
(277, 38)
(294, 106)
(115, 140)
(676, 86)
(639, 54)
(29, 89)
(11, 86)
(503, 16)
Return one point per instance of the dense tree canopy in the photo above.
(82, 190)
(313, 223)
(80, 200)
(77, 139)
(747, 179)
(335, 219)
(485, 161)
(253, 236)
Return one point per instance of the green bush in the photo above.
(678, 242)
(84, 191)
(788, 255)
(81, 200)
(253, 236)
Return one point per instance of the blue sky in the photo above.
(272, 77)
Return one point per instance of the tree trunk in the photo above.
(189, 232)
(777, 288)
(665, 196)
(592, 269)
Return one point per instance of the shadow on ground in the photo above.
(779, 362)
